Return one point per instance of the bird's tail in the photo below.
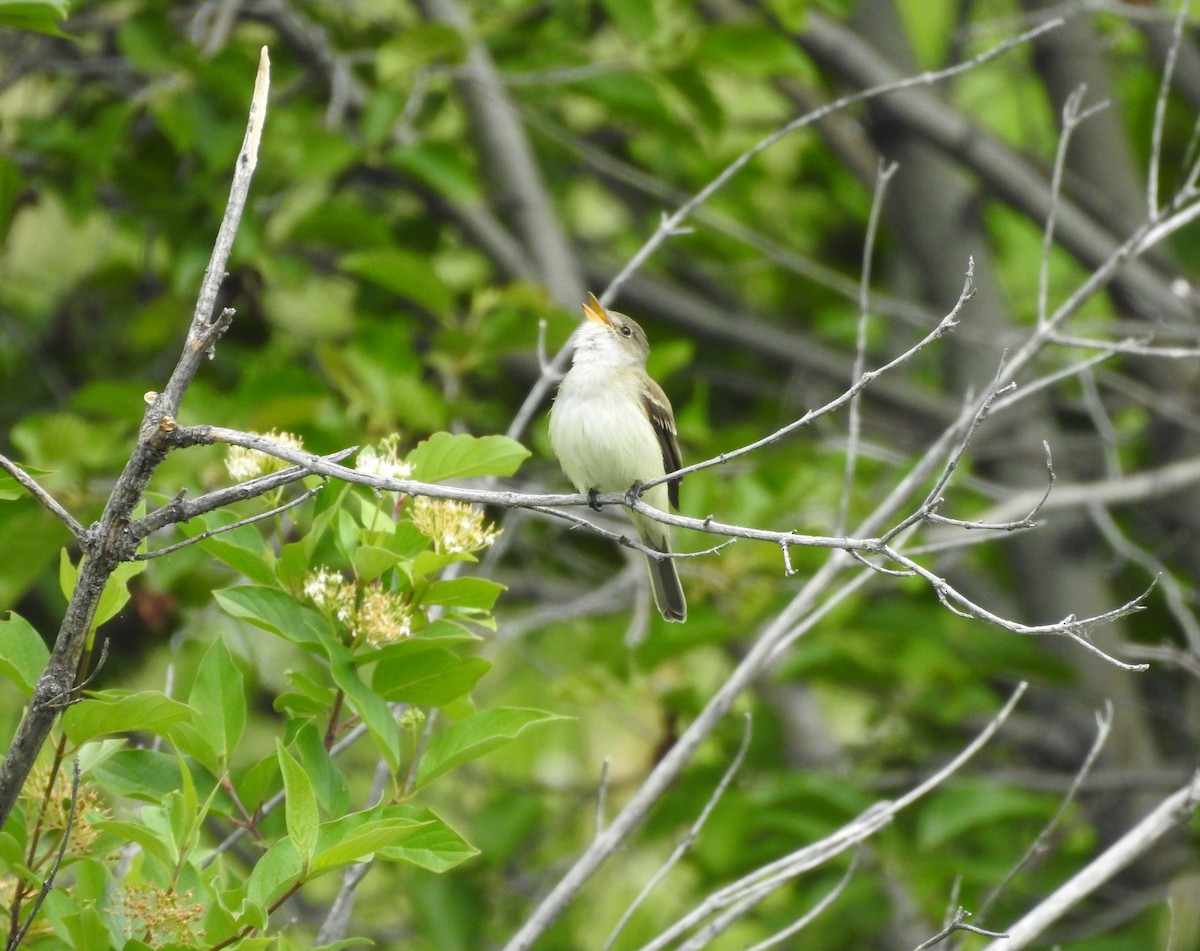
(664, 579)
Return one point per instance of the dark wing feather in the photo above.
(658, 409)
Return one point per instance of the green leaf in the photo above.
(242, 549)
(87, 928)
(431, 562)
(430, 678)
(418, 44)
(346, 841)
(219, 694)
(140, 774)
(275, 611)
(402, 273)
(144, 836)
(10, 489)
(329, 782)
(441, 166)
(474, 593)
(300, 805)
(113, 711)
(754, 49)
(370, 562)
(40, 16)
(475, 735)
(116, 587)
(445, 631)
(408, 541)
(366, 703)
(457, 456)
(635, 18)
(956, 811)
(23, 653)
(432, 845)
(274, 873)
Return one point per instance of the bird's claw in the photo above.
(592, 495)
(634, 493)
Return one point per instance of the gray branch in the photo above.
(112, 541)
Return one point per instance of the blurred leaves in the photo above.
(379, 292)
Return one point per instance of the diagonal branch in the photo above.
(1172, 812)
(110, 541)
(181, 509)
(30, 484)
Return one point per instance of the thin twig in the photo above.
(1071, 117)
(944, 326)
(755, 886)
(1188, 661)
(801, 923)
(181, 508)
(250, 520)
(854, 426)
(958, 922)
(1160, 107)
(673, 221)
(686, 842)
(1172, 812)
(48, 882)
(31, 486)
(1038, 845)
(1177, 598)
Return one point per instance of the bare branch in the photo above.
(686, 842)
(110, 541)
(860, 346)
(671, 222)
(1173, 591)
(250, 520)
(1074, 628)
(180, 509)
(945, 325)
(1071, 117)
(205, 329)
(755, 886)
(958, 922)
(1103, 729)
(1160, 106)
(1126, 490)
(802, 922)
(1185, 660)
(1170, 813)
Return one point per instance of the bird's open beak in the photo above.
(593, 310)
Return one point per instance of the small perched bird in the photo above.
(612, 429)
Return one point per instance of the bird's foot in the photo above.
(592, 495)
(634, 493)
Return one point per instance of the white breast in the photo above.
(602, 437)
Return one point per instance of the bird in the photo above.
(612, 429)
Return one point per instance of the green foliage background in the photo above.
(370, 301)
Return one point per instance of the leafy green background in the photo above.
(382, 285)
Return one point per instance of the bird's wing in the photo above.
(662, 419)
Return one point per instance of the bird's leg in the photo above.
(634, 493)
(593, 494)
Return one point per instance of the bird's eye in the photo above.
(627, 330)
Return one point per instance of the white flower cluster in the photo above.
(453, 526)
(383, 460)
(379, 617)
(243, 464)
